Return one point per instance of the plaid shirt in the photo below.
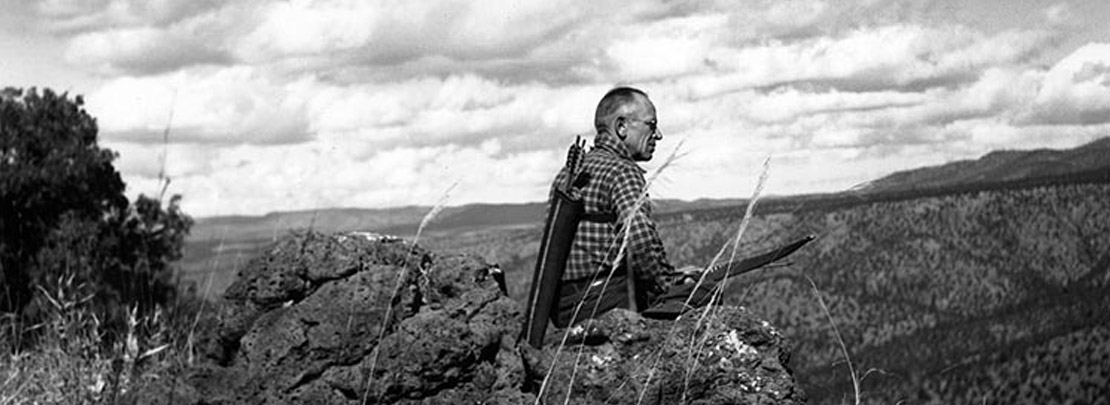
(616, 183)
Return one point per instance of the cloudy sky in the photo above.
(297, 105)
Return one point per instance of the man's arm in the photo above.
(646, 256)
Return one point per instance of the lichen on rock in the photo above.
(727, 356)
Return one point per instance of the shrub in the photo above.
(70, 241)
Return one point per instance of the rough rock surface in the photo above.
(727, 356)
(352, 319)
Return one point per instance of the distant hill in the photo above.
(401, 221)
(334, 219)
(218, 245)
(999, 167)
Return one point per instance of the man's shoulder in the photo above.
(609, 170)
(611, 162)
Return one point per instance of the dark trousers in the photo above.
(596, 298)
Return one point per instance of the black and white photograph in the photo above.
(638, 202)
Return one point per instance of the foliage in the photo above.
(930, 290)
(50, 167)
(70, 241)
(77, 366)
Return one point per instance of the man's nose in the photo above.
(658, 135)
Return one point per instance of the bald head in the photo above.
(628, 115)
(618, 102)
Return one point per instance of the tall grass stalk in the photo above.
(589, 323)
(756, 194)
(163, 179)
(719, 289)
(190, 340)
(621, 251)
(428, 218)
(434, 212)
(13, 386)
(839, 340)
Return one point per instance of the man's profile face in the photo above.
(640, 132)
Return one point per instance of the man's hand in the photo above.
(687, 275)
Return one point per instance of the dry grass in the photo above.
(76, 361)
(53, 376)
(732, 247)
(840, 340)
(73, 356)
(718, 291)
(428, 218)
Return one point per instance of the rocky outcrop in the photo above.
(357, 319)
(726, 356)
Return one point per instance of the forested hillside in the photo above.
(971, 297)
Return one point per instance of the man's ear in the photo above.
(619, 127)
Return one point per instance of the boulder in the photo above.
(723, 356)
(360, 319)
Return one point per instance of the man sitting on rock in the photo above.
(614, 198)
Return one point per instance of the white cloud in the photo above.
(795, 13)
(1005, 91)
(148, 161)
(888, 57)
(1077, 89)
(236, 105)
(345, 38)
(462, 109)
(211, 105)
(304, 27)
(1059, 14)
(315, 103)
(389, 32)
(666, 48)
(255, 179)
(144, 50)
(90, 15)
(788, 103)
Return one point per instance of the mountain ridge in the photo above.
(1000, 166)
